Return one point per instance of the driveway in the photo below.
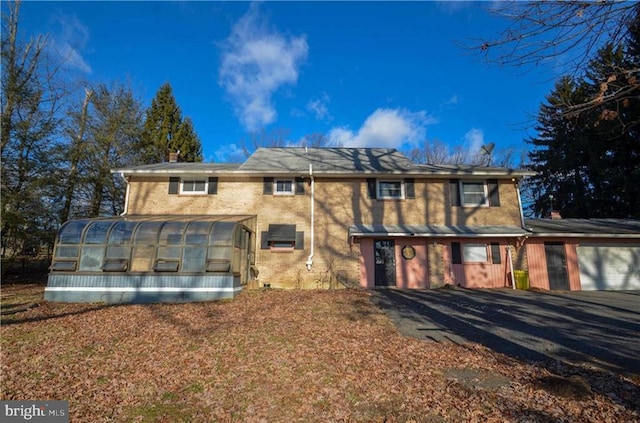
(596, 328)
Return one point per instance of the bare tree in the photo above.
(437, 152)
(568, 34)
(31, 101)
(277, 137)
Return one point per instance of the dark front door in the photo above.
(556, 265)
(385, 256)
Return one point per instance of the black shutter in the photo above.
(494, 195)
(456, 254)
(454, 189)
(173, 185)
(371, 187)
(299, 186)
(264, 240)
(299, 245)
(409, 189)
(268, 186)
(213, 185)
(495, 253)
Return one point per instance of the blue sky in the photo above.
(365, 74)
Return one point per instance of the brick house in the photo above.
(322, 217)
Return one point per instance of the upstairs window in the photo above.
(398, 189)
(390, 190)
(283, 187)
(475, 193)
(193, 186)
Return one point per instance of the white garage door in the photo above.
(609, 266)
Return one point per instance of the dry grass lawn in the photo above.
(276, 356)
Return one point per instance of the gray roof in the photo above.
(435, 231)
(328, 160)
(602, 228)
(179, 168)
(324, 161)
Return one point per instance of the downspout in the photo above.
(520, 204)
(126, 195)
(310, 258)
(522, 224)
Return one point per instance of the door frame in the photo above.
(384, 268)
(561, 278)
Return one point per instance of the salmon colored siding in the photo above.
(537, 263)
(481, 275)
(412, 273)
(367, 270)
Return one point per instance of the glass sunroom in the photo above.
(141, 259)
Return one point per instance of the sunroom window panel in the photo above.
(171, 233)
(97, 232)
(121, 233)
(66, 252)
(197, 233)
(91, 259)
(71, 232)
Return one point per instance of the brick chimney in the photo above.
(174, 157)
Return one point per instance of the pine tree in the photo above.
(166, 132)
(589, 160)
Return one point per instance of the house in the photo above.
(296, 218)
(583, 254)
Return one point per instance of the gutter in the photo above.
(310, 258)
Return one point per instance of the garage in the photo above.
(609, 266)
(583, 254)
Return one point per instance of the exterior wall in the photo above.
(140, 288)
(537, 262)
(411, 274)
(339, 203)
(479, 275)
(414, 273)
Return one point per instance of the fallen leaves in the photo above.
(281, 356)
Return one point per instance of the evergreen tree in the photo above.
(589, 159)
(166, 132)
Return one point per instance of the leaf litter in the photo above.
(271, 356)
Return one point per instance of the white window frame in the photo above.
(485, 194)
(292, 191)
(379, 183)
(475, 253)
(194, 181)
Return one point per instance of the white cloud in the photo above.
(319, 107)
(256, 62)
(385, 128)
(230, 153)
(474, 139)
(453, 100)
(69, 41)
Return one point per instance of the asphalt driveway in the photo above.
(600, 329)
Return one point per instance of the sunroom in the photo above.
(141, 259)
